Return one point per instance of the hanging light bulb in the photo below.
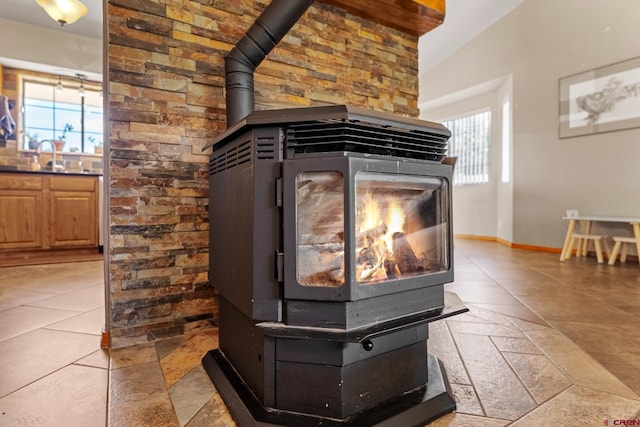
(81, 77)
(59, 87)
(64, 11)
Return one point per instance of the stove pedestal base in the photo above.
(416, 408)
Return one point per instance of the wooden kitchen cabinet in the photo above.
(41, 212)
(21, 208)
(73, 211)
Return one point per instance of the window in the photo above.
(47, 112)
(470, 144)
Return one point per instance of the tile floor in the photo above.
(52, 370)
(544, 343)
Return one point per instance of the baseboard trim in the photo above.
(504, 242)
(105, 340)
(508, 243)
(34, 257)
(475, 237)
(536, 248)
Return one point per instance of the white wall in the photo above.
(504, 189)
(472, 215)
(538, 43)
(34, 48)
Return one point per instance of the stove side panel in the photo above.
(245, 223)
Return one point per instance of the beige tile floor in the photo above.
(545, 343)
(52, 370)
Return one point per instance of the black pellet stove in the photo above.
(330, 244)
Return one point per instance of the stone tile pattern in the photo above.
(506, 375)
(166, 101)
(514, 373)
(162, 383)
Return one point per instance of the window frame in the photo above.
(465, 172)
(86, 148)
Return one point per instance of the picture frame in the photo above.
(604, 99)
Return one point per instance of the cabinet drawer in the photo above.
(72, 183)
(20, 182)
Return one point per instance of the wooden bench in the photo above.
(620, 244)
(584, 236)
(580, 239)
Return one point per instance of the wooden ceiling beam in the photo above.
(414, 17)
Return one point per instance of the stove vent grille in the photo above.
(230, 158)
(371, 138)
(266, 147)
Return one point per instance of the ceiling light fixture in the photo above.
(64, 11)
(59, 87)
(82, 78)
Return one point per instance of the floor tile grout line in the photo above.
(48, 374)
(538, 404)
(573, 342)
(164, 380)
(584, 353)
(84, 365)
(466, 370)
(512, 370)
(555, 329)
(47, 326)
(60, 309)
(529, 337)
(44, 308)
(198, 410)
(561, 333)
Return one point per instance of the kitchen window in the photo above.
(71, 111)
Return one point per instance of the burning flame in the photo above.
(381, 218)
(395, 220)
(373, 214)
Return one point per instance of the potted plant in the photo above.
(97, 145)
(61, 140)
(33, 141)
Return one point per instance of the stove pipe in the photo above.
(276, 20)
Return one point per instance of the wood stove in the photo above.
(330, 244)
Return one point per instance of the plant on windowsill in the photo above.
(97, 145)
(61, 140)
(33, 141)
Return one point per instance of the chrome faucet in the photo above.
(53, 148)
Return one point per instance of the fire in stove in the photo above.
(331, 241)
(395, 233)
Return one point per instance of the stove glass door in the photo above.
(401, 226)
(320, 229)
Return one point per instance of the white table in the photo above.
(586, 222)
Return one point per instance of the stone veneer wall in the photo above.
(166, 100)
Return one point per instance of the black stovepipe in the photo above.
(270, 27)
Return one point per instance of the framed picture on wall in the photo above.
(601, 100)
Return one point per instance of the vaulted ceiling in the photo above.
(464, 19)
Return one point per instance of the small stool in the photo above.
(578, 238)
(620, 243)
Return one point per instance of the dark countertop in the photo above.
(5, 169)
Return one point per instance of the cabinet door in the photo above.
(21, 219)
(74, 209)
